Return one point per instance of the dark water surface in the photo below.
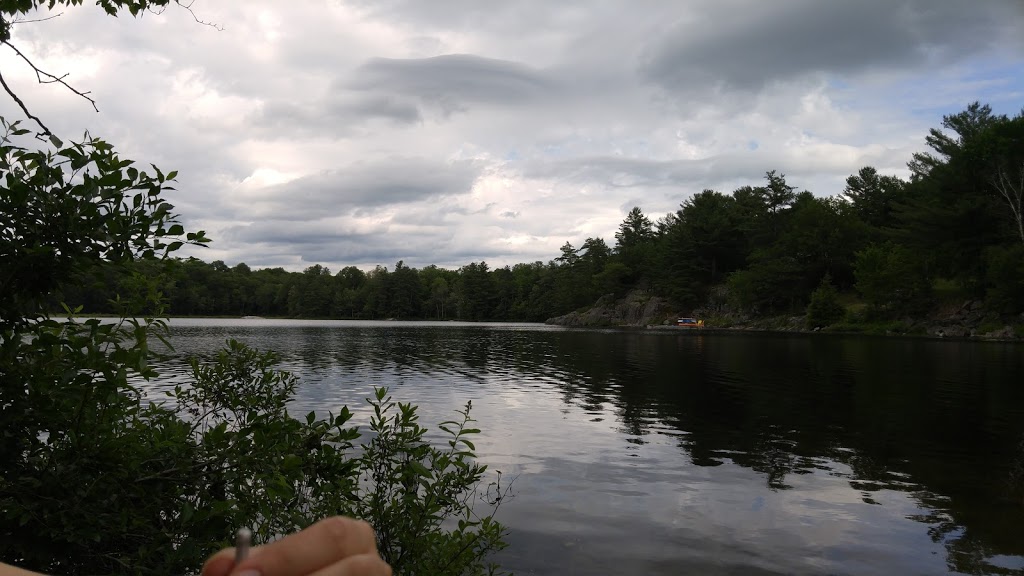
(664, 452)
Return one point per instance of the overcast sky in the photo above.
(451, 131)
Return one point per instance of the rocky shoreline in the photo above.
(640, 309)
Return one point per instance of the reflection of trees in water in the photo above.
(902, 415)
(1015, 481)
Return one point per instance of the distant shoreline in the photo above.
(757, 330)
(708, 329)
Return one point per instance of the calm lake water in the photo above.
(665, 452)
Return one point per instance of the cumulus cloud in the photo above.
(365, 132)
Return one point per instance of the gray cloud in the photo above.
(452, 82)
(742, 46)
(367, 131)
(621, 172)
(403, 91)
(338, 247)
(359, 186)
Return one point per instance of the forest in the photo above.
(888, 246)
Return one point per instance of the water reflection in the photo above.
(662, 452)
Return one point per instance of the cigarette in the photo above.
(243, 539)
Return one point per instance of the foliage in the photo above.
(767, 285)
(862, 325)
(154, 492)
(66, 212)
(824, 308)
(1005, 278)
(892, 279)
(872, 196)
(769, 243)
(411, 489)
(951, 210)
(97, 478)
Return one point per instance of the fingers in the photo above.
(361, 565)
(220, 564)
(323, 544)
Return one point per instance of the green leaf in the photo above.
(56, 141)
(419, 469)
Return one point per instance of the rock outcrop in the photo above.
(968, 320)
(638, 308)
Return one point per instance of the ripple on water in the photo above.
(668, 453)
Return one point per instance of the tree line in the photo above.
(764, 249)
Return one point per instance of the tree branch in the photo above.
(44, 77)
(195, 17)
(46, 130)
(19, 21)
(1014, 195)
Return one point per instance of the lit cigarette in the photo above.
(243, 539)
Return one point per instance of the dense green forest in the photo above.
(893, 246)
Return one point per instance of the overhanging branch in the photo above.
(44, 77)
(188, 7)
(46, 131)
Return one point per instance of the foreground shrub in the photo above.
(97, 479)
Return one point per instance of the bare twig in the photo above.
(1013, 193)
(44, 77)
(46, 130)
(20, 21)
(188, 7)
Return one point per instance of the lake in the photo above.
(670, 452)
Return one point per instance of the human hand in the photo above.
(335, 546)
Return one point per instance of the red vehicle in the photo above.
(690, 323)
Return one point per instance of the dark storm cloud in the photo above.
(742, 46)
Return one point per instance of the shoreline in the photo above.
(825, 331)
(867, 331)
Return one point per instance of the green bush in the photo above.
(96, 478)
(410, 490)
(824, 308)
(892, 280)
(1005, 278)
